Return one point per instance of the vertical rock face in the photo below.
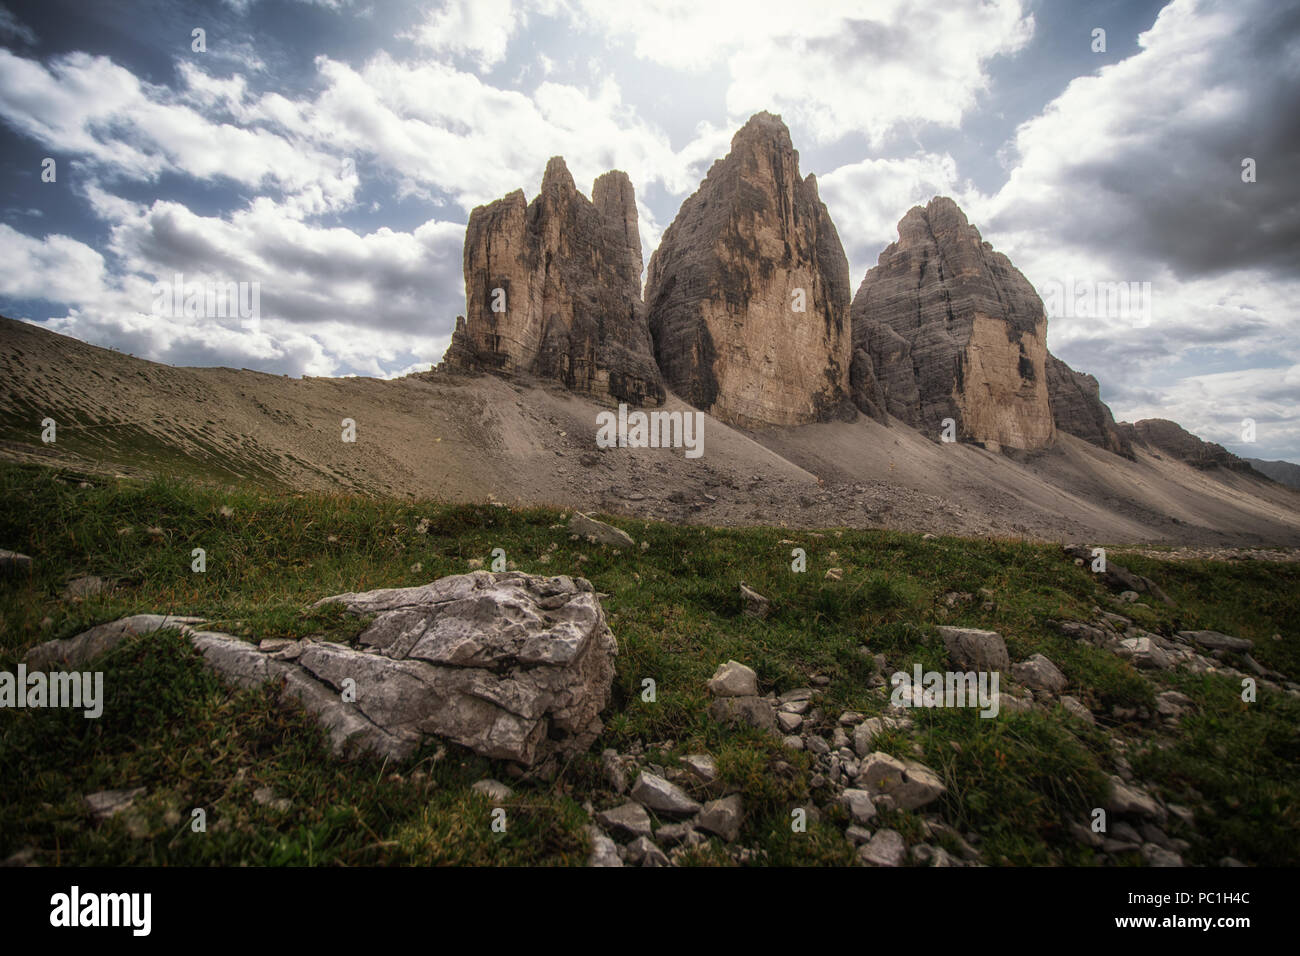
(568, 271)
(1077, 408)
(944, 327)
(615, 200)
(753, 244)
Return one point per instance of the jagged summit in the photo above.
(746, 310)
(557, 176)
(747, 295)
(944, 327)
(615, 199)
(764, 126)
(553, 289)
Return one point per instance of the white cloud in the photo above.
(318, 286)
(839, 67)
(867, 199)
(104, 115)
(478, 29)
(1132, 175)
(1214, 406)
(56, 268)
(415, 366)
(434, 127)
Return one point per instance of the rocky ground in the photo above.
(851, 772)
(656, 814)
(518, 668)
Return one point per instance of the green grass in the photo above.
(171, 727)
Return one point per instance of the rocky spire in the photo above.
(747, 295)
(944, 327)
(553, 289)
(615, 199)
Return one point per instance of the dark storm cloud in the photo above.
(1171, 192)
(11, 28)
(1229, 332)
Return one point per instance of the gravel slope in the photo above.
(478, 438)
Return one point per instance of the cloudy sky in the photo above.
(331, 151)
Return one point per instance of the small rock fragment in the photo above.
(79, 589)
(971, 649)
(722, 817)
(605, 534)
(643, 851)
(788, 723)
(733, 679)
(604, 851)
(104, 804)
(702, 765)
(493, 789)
(1132, 799)
(1214, 641)
(657, 794)
(1076, 708)
(751, 711)
(859, 804)
(629, 818)
(11, 562)
(1039, 673)
(755, 604)
(885, 848)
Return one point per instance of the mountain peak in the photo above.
(558, 177)
(554, 290)
(945, 329)
(751, 264)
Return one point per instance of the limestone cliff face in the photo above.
(944, 327)
(568, 271)
(724, 290)
(1077, 408)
